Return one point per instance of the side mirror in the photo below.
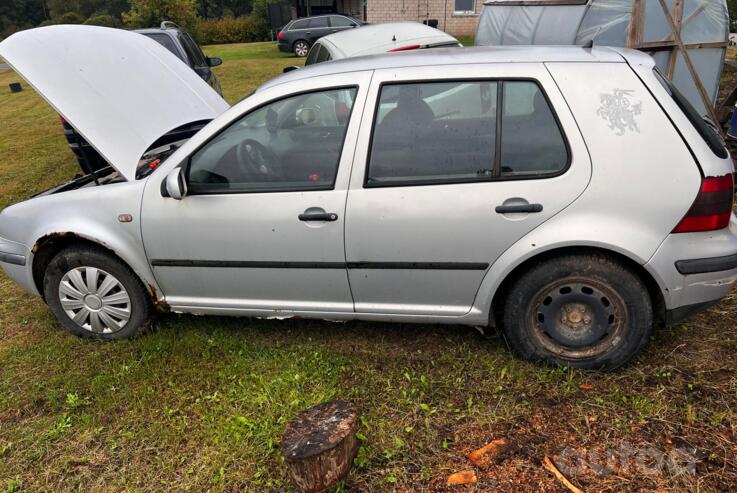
(174, 185)
(289, 69)
(354, 25)
(214, 61)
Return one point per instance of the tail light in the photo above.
(405, 48)
(712, 208)
(280, 35)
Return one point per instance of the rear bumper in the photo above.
(284, 47)
(695, 270)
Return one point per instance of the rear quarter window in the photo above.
(323, 56)
(706, 130)
(313, 54)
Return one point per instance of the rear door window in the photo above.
(434, 133)
(464, 131)
(312, 55)
(318, 22)
(324, 55)
(532, 143)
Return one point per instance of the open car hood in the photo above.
(121, 91)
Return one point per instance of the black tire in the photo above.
(584, 311)
(138, 306)
(301, 48)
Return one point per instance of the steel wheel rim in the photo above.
(301, 49)
(95, 300)
(577, 318)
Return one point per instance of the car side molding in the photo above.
(246, 264)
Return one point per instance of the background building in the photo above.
(456, 17)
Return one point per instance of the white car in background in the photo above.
(378, 38)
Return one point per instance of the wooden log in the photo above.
(319, 446)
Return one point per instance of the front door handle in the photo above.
(512, 208)
(317, 214)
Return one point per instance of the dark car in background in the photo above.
(298, 35)
(180, 43)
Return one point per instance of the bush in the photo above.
(150, 13)
(242, 29)
(69, 18)
(104, 20)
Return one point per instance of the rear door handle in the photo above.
(317, 214)
(507, 209)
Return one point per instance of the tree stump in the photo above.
(319, 446)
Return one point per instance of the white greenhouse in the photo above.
(687, 38)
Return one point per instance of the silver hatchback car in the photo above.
(570, 196)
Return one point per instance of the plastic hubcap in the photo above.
(94, 300)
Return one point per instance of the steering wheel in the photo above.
(257, 161)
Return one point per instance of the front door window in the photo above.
(290, 145)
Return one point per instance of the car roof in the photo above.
(457, 56)
(355, 41)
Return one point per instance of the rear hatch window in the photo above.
(702, 124)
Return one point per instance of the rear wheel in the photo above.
(301, 48)
(585, 311)
(93, 294)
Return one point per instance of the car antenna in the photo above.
(394, 37)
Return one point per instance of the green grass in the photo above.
(198, 403)
(249, 65)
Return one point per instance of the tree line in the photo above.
(16, 15)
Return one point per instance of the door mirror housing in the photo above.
(214, 61)
(174, 186)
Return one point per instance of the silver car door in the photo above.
(430, 205)
(260, 230)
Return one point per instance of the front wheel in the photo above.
(95, 295)
(301, 48)
(584, 311)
